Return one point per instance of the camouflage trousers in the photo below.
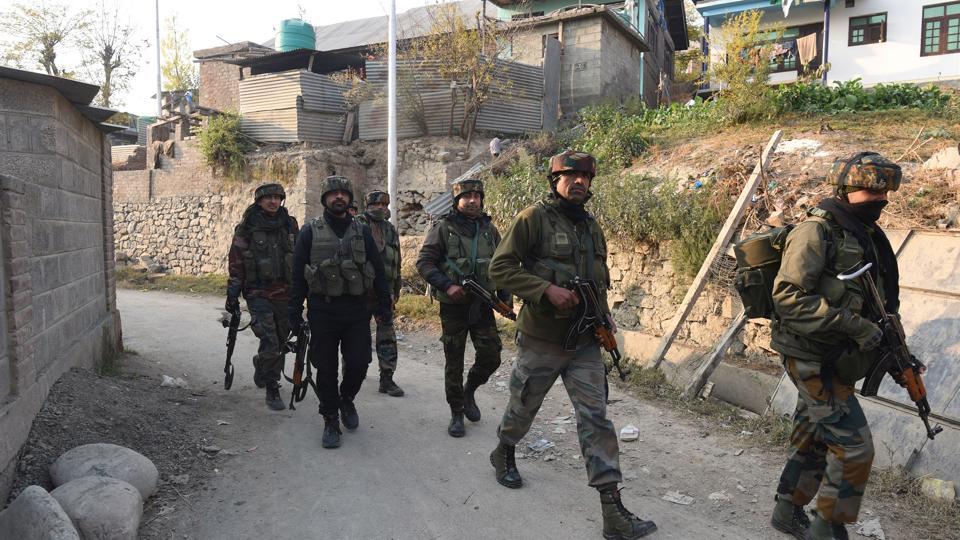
(455, 324)
(386, 340)
(269, 322)
(831, 448)
(538, 365)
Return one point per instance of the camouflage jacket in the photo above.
(388, 240)
(446, 257)
(543, 247)
(818, 313)
(243, 256)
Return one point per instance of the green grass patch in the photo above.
(927, 518)
(209, 284)
(417, 307)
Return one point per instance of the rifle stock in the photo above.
(592, 317)
(489, 298)
(300, 366)
(233, 326)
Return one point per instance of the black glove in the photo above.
(232, 305)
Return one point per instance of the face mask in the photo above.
(379, 213)
(868, 211)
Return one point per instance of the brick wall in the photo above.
(620, 67)
(56, 246)
(218, 86)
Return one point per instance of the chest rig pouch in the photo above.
(468, 257)
(338, 266)
(269, 257)
(844, 253)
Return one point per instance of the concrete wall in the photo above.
(59, 303)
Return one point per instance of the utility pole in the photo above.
(156, 4)
(392, 115)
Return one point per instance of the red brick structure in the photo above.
(218, 79)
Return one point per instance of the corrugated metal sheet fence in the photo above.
(513, 107)
(292, 106)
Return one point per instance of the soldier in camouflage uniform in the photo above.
(337, 268)
(547, 245)
(457, 247)
(828, 341)
(260, 265)
(376, 217)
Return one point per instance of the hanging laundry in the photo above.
(807, 48)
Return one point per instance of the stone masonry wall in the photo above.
(56, 252)
(219, 83)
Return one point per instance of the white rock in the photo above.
(871, 529)
(629, 433)
(35, 515)
(678, 498)
(101, 507)
(107, 460)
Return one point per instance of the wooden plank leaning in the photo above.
(726, 233)
(710, 364)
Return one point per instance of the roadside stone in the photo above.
(35, 515)
(106, 460)
(102, 507)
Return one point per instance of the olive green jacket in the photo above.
(817, 312)
(541, 233)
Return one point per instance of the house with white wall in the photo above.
(878, 41)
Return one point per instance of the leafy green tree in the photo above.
(176, 66)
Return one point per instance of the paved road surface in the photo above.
(401, 476)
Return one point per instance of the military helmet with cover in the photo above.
(377, 197)
(572, 161)
(865, 170)
(467, 185)
(335, 183)
(269, 189)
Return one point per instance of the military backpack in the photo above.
(758, 262)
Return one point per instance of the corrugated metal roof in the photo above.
(292, 106)
(323, 62)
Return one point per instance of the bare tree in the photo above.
(38, 29)
(178, 70)
(110, 50)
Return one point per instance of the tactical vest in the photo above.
(391, 248)
(844, 253)
(338, 266)
(466, 256)
(268, 257)
(562, 253)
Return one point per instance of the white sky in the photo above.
(233, 20)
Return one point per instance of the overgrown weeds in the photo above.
(926, 518)
(224, 145)
(851, 96)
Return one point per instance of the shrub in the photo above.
(224, 145)
(745, 71)
(612, 136)
(850, 96)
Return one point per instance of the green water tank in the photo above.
(295, 34)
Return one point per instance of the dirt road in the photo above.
(401, 476)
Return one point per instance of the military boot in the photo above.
(387, 386)
(456, 428)
(505, 464)
(790, 518)
(351, 420)
(470, 408)
(273, 398)
(821, 529)
(618, 522)
(331, 431)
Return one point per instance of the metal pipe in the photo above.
(156, 5)
(392, 114)
(826, 40)
(705, 49)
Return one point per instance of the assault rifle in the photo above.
(489, 298)
(302, 376)
(232, 323)
(895, 357)
(592, 318)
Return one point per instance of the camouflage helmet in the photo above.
(466, 186)
(335, 183)
(571, 160)
(865, 170)
(376, 197)
(269, 189)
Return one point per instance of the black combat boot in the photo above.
(470, 408)
(387, 386)
(331, 431)
(821, 529)
(790, 518)
(618, 522)
(273, 398)
(505, 464)
(351, 420)
(456, 429)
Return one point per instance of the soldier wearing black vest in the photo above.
(338, 269)
(260, 267)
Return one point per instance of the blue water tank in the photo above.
(295, 34)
